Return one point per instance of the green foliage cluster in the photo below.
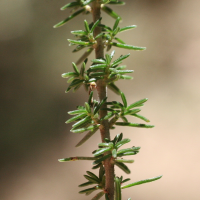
(86, 118)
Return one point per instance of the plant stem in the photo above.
(102, 93)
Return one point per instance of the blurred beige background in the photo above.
(34, 106)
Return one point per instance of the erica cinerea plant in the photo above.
(98, 74)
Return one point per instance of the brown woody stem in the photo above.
(102, 93)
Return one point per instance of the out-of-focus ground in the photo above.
(34, 106)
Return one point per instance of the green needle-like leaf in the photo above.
(116, 2)
(126, 46)
(68, 74)
(99, 61)
(86, 26)
(137, 103)
(133, 125)
(95, 25)
(90, 98)
(86, 137)
(81, 130)
(69, 18)
(97, 67)
(116, 23)
(114, 153)
(91, 179)
(89, 190)
(121, 58)
(125, 180)
(124, 161)
(131, 112)
(102, 151)
(124, 99)
(117, 188)
(97, 166)
(76, 158)
(141, 182)
(141, 117)
(102, 159)
(93, 176)
(99, 106)
(79, 32)
(77, 117)
(110, 144)
(86, 184)
(70, 5)
(133, 150)
(122, 142)
(86, 2)
(114, 88)
(75, 112)
(75, 68)
(87, 107)
(123, 167)
(127, 28)
(106, 196)
(83, 121)
(110, 12)
(119, 40)
(80, 42)
(98, 196)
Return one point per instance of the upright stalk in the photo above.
(101, 115)
(102, 93)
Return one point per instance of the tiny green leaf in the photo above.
(69, 5)
(92, 175)
(98, 196)
(141, 182)
(81, 122)
(95, 25)
(91, 179)
(110, 12)
(86, 184)
(137, 103)
(114, 153)
(75, 118)
(122, 142)
(75, 68)
(124, 99)
(141, 117)
(133, 125)
(102, 159)
(117, 188)
(88, 190)
(96, 109)
(114, 88)
(89, 128)
(126, 46)
(80, 42)
(87, 107)
(116, 23)
(76, 158)
(124, 161)
(102, 151)
(69, 18)
(86, 137)
(123, 167)
(86, 26)
(68, 74)
(79, 32)
(75, 112)
(127, 28)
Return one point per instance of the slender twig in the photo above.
(102, 93)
